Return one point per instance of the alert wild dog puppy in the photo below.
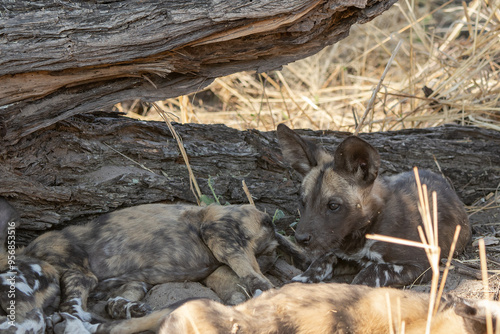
(136, 247)
(317, 308)
(343, 198)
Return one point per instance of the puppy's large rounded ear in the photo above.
(357, 159)
(300, 153)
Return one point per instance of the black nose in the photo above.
(303, 238)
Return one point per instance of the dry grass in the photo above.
(452, 49)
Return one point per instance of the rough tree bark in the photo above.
(91, 164)
(59, 59)
(62, 58)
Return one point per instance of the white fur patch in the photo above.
(36, 286)
(397, 269)
(386, 274)
(326, 272)
(320, 274)
(109, 280)
(21, 284)
(365, 254)
(300, 278)
(128, 304)
(319, 270)
(114, 299)
(24, 288)
(36, 268)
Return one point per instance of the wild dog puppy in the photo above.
(136, 247)
(33, 285)
(17, 301)
(317, 308)
(343, 198)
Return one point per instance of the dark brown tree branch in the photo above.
(60, 58)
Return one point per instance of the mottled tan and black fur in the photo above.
(343, 198)
(140, 246)
(332, 308)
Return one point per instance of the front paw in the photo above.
(121, 308)
(257, 284)
(63, 323)
(314, 275)
(236, 298)
(74, 307)
(319, 271)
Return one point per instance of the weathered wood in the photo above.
(283, 271)
(88, 165)
(60, 58)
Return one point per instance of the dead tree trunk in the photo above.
(63, 58)
(92, 164)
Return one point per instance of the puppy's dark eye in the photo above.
(332, 206)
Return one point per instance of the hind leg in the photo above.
(125, 302)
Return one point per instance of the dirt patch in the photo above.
(170, 293)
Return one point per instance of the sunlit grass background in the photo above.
(446, 71)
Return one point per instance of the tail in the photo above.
(150, 322)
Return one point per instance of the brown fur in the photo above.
(7, 217)
(141, 246)
(343, 198)
(316, 308)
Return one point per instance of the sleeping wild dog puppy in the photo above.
(16, 304)
(133, 248)
(343, 198)
(317, 308)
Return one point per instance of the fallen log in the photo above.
(90, 164)
(60, 59)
